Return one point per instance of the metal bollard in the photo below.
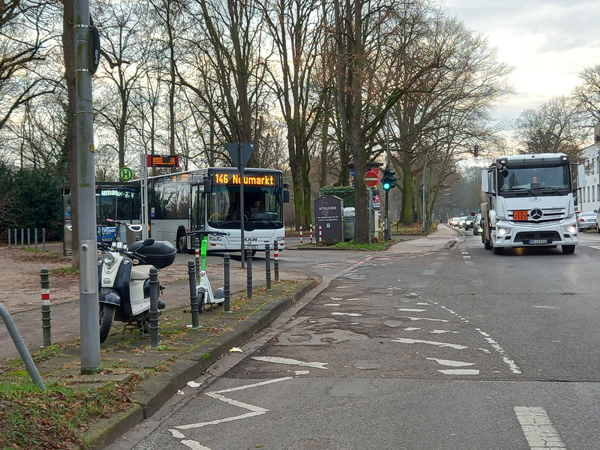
(193, 293)
(226, 283)
(8, 233)
(15, 238)
(197, 255)
(268, 266)
(35, 238)
(300, 234)
(28, 237)
(22, 238)
(276, 263)
(320, 235)
(43, 239)
(153, 308)
(46, 326)
(249, 273)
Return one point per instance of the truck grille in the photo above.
(539, 215)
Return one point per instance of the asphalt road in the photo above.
(458, 349)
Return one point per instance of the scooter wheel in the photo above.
(107, 314)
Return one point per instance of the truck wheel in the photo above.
(498, 250)
(486, 242)
(107, 314)
(597, 229)
(568, 249)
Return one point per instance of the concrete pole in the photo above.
(86, 203)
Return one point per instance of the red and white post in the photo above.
(300, 234)
(46, 326)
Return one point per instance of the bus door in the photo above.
(198, 207)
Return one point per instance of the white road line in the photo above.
(425, 318)
(412, 310)
(194, 445)
(292, 362)
(254, 410)
(538, 429)
(459, 371)
(448, 362)
(438, 344)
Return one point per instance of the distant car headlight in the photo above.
(570, 229)
(108, 259)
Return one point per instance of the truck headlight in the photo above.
(503, 231)
(570, 229)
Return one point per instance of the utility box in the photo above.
(329, 212)
(349, 214)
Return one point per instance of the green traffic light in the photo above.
(386, 186)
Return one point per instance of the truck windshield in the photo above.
(534, 181)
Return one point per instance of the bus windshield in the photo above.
(262, 207)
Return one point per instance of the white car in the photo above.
(586, 221)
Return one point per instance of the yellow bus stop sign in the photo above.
(125, 174)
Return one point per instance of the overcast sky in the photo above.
(547, 42)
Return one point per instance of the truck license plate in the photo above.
(538, 241)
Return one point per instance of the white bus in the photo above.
(209, 199)
(203, 199)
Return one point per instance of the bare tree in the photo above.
(125, 53)
(587, 95)
(554, 127)
(297, 30)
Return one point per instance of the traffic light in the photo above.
(389, 180)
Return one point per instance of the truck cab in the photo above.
(528, 202)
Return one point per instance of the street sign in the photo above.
(125, 174)
(371, 178)
(234, 152)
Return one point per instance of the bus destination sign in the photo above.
(249, 180)
(163, 161)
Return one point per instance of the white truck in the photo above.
(528, 202)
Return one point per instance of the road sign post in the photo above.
(240, 154)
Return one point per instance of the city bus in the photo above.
(203, 199)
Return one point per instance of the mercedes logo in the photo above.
(536, 214)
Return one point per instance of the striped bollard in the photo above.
(276, 262)
(46, 326)
(320, 234)
(300, 234)
(311, 231)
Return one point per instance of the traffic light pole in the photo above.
(388, 231)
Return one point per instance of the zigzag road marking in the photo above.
(254, 411)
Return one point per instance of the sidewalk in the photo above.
(183, 353)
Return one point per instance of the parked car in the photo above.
(461, 221)
(477, 225)
(587, 221)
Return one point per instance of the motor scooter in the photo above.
(124, 280)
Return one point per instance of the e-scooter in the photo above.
(124, 280)
(204, 291)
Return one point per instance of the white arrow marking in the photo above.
(438, 344)
(448, 362)
(289, 361)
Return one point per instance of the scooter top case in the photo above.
(160, 254)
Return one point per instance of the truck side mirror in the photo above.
(484, 181)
